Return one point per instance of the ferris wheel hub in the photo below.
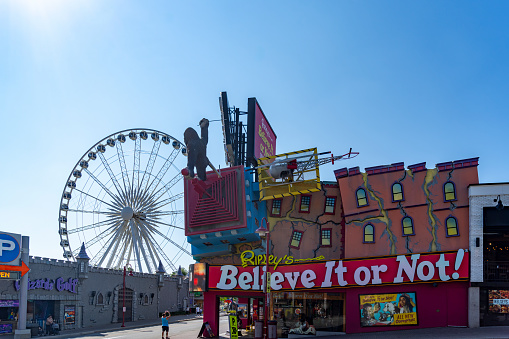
(127, 213)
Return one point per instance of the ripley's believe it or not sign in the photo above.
(400, 269)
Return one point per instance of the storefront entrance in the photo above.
(248, 310)
(323, 312)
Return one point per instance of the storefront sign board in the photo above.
(400, 269)
(10, 275)
(234, 334)
(9, 303)
(392, 309)
(69, 314)
(498, 301)
(10, 249)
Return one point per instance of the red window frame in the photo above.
(272, 214)
(333, 206)
(322, 237)
(309, 205)
(300, 239)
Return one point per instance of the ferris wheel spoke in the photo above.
(105, 189)
(166, 258)
(123, 243)
(157, 195)
(123, 167)
(142, 240)
(112, 177)
(162, 213)
(118, 207)
(108, 222)
(167, 164)
(145, 239)
(161, 251)
(115, 240)
(98, 238)
(142, 201)
(165, 202)
(93, 212)
(151, 220)
(150, 165)
(155, 230)
(134, 234)
(153, 252)
(121, 257)
(135, 184)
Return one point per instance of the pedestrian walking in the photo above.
(166, 327)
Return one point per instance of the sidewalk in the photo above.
(435, 333)
(113, 327)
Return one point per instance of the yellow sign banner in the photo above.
(234, 330)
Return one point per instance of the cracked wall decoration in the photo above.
(423, 201)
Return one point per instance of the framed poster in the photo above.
(498, 301)
(69, 315)
(390, 309)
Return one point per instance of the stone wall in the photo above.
(96, 298)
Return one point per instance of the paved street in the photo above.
(187, 327)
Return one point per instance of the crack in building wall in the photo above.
(429, 180)
(384, 218)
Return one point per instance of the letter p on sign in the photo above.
(9, 248)
(6, 245)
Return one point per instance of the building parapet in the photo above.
(418, 167)
(399, 166)
(445, 166)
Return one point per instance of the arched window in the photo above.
(369, 234)
(362, 199)
(397, 192)
(451, 225)
(408, 226)
(449, 191)
(100, 299)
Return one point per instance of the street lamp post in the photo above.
(265, 233)
(130, 269)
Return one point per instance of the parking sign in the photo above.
(10, 249)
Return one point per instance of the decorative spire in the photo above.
(83, 253)
(160, 269)
(179, 272)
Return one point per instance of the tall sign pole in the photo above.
(22, 318)
(21, 331)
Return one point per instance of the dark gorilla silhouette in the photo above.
(197, 150)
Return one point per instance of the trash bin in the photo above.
(272, 329)
(258, 329)
(34, 329)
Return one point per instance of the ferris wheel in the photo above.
(123, 201)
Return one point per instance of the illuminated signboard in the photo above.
(69, 314)
(9, 303)
(198, 277)
(388, 309)
(498, 301)
(397, 269)
(10, 275)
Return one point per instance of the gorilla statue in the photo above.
(197, 150)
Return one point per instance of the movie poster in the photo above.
(498, 301)
(69, 315)
(398, 309)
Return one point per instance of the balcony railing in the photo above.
(496, 271)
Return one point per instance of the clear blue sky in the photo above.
(409, 81)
